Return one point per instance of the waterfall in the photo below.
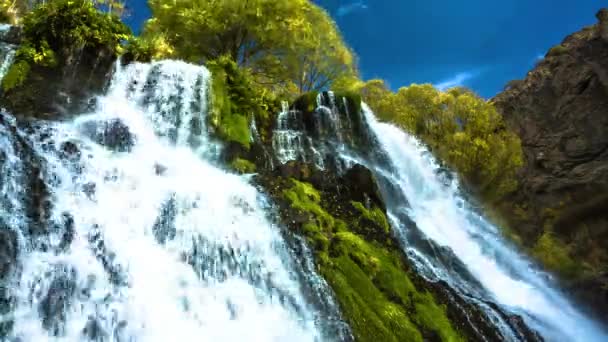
(444, 238)
(7, 51)
(119, 225)
(493, 270)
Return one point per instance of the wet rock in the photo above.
(164, 227)
(53, 307)
(115, 271)
(37, 199)
(66, 231)
(93, 330)
(8, 250)
(14, 35)
(361, 186)
(297, 170)
(160, 170)
(113, 134)
(89, 189)
(69, 150)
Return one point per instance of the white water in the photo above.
(7, 52)
(443, 216)
(219, 270)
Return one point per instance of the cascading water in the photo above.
(445, 218)
(439, 231)
(7, 51)
(136, 234)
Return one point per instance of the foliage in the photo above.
(147, 49)
(462, 129)
(286, 44)
(55, 31)
(11, 10)
(236, 101)
(15, 76)
(371, 283)
(374, 215)
(65, 26)
(554, 255)
(243, 166)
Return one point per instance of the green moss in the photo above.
(243, 165)
(306, 198)
(353, 99)
(236, 100)
(378, 297)
(307, 102)
(374, 215)
(371, 283)
(55, 31)
(16, 75)
(555, 255)
(558, 50)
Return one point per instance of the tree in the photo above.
(464, 130)
(282, 42)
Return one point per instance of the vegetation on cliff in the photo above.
(291, 45)
(263, 51)
(462, 129)
(56, 31)
(357, 255)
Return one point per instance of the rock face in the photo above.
(560, 111)
(63, 90)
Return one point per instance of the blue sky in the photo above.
(481, 44)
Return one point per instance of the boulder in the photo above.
(8, 250)
(113, 134)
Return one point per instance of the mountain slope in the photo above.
(560, 111)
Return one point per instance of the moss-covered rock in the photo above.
(357, 255)
(237, 100)
(64, 37)
(243, 166)
(16, 75)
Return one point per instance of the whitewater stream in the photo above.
(441, 233)
(140, 236)
(122, 225)
(494, 271)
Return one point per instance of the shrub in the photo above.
(558, 50)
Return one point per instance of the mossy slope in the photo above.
(356, 254)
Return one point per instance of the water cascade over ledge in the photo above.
(440, 232)
(120, 226)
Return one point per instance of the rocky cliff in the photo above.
(560, 111)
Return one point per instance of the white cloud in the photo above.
(351, 7)
(459, 79)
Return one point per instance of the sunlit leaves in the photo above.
(286, 44)
(462, 129)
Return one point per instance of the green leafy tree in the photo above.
(463, 130)
(291, 44)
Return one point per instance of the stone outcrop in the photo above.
(560, 111)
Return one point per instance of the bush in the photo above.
(145, 50)
(57, 29)
(16, 75)
(236, 101)
(461, 128)
(55, 32)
